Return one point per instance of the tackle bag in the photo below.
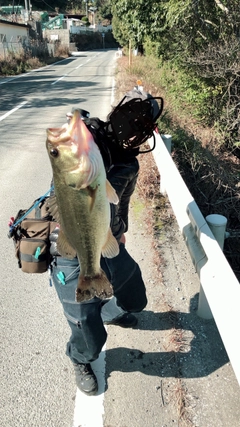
(30, 233)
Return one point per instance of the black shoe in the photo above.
(85, 378)
(126, 320)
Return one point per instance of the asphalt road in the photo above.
(37, 382)
(172, 370)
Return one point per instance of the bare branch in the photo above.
(222, 7)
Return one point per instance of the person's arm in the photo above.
(123, 178)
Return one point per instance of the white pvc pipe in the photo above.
(217, 224)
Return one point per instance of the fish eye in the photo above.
(54, 152)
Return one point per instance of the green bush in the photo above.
(86, 21)
(190, 92)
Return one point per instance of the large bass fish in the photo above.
(81, 205)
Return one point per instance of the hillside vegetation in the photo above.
(196, 47)
(211, 173)
(189, 53)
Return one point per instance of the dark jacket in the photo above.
(123, 178)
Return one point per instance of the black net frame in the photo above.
(134, 121)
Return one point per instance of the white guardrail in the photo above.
(219, 295)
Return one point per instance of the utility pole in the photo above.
(26, 10)
(130, 54)
(86, 1)
(30, 10)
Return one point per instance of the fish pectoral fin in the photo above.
(93, 286)
(111, 247)
(52, 208)
(111, 194)
(64, 248)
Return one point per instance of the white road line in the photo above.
(12, 111)
(65, 75)
(89, 410)
(113, 92)
(58, 80)
(14, 78)
(32, 71)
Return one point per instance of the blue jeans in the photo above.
(86, 319)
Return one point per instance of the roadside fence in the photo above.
(219, 295)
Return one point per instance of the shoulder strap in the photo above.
(28, 211)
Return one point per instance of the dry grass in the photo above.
(62, 51)
(17, 63)
(176, 343)
(13, 63)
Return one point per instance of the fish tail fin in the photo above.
(93, 286)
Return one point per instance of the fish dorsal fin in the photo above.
(111, 247)
(64, 248)
(111, 194)
(52, 208)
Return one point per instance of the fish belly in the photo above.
(86, 226)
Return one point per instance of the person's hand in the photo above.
(123, 239)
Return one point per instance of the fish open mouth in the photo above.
(59, 135)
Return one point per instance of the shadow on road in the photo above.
(200, 348)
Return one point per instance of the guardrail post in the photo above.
(167, 139)
(217, 224)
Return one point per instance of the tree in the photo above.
(179, 26)
(135, 19)
(104, 9)
(49, 5)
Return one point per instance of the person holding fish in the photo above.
(96, 279)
